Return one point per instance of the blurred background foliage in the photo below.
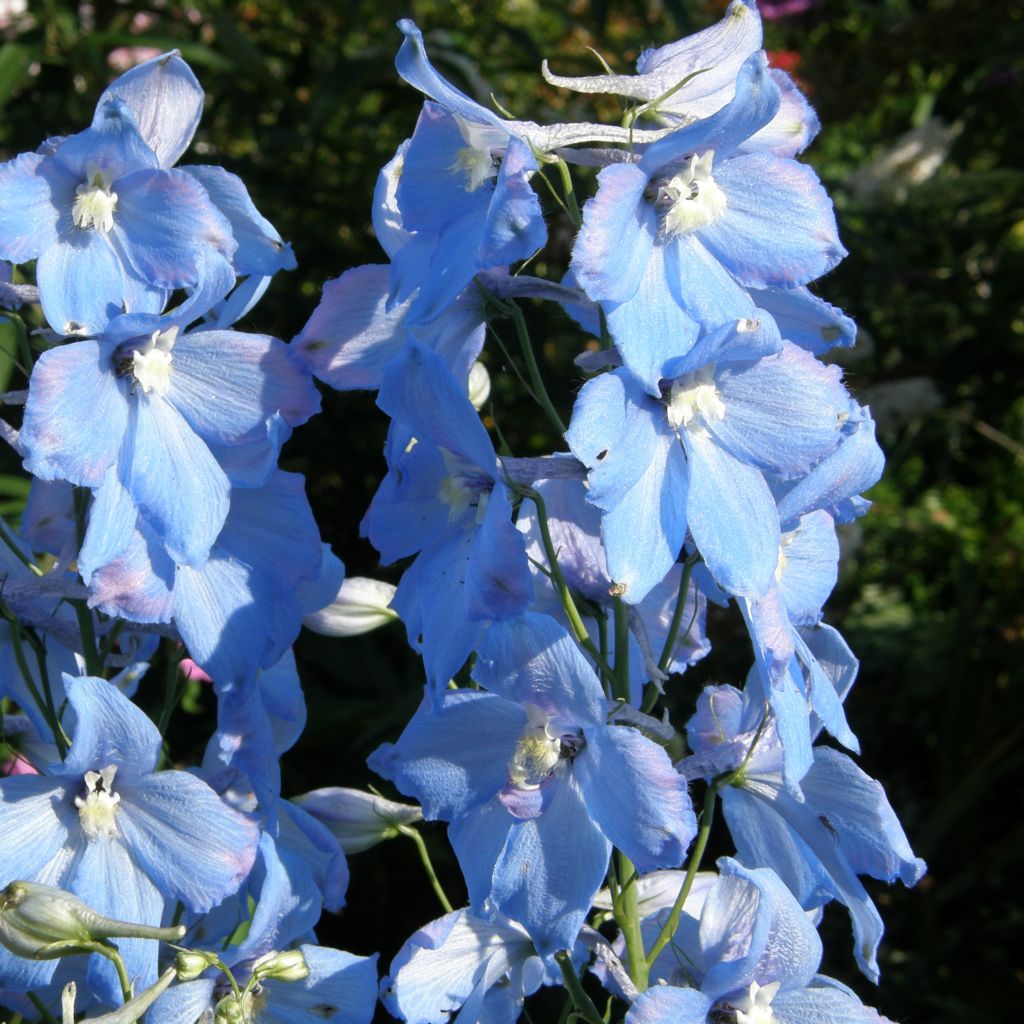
(922, 149)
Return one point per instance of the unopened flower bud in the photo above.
(190, 963)
(358, 820)
(361, 606)
(137, 1005)
(479, 385)
(229, 1011)
(289, 965)
(41, 922)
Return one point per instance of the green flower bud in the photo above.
(190, 963)
(41, 922)
(229, 1010)
(289, 965)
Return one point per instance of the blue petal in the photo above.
(514, 229)
(184, 1001)
(454, 758)
(533, 660)
(808, 567)
(174, 479)
(619, 227)
(419, 390)
(807, 320)
(227, 384)
(636, 797)
(498, 581)
(666, 1005)
(190, 843)
(732, 518)
(341, 989)
(112, 519)
(702, 286)
(478, 838)
(166, 101)
(778, 228)
(76, 415)
(35, 820)
(138, 585)
(414, 66)
(112, 141)
(551, 868)
(108, 729)
(824, 1002)
(28, 213)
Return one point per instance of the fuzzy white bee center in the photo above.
(694, 401)
(94, 202)
(97, 810)
(691, 199)
(755, 1006)
(536, 753)
(479, 160)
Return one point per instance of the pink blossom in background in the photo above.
(190, 670)
(124, 57)
(16, 765)
(772, 10)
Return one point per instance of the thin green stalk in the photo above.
(44, 703)
(583, 1003)
(572, 207)
(42, 1008)
(677, 614)
(627, 916)
(171, 693)
(435, 882)
(669, 928)
(540, 391)
(93, 663)
(109, 951)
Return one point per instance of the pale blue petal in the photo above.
(514, 228)
(794, 126)
(859, 811)
(809, 567)
(456, 757)
(551, 868)
(778, 229)
(76, 415)
(108, 729)
(414, 66)
(138, 585)
(341, 989)
(732, 518)
(478, 838)
(35, 818)
(351, 335)
(163, 219)
(166, 100)
(190, 843)
(227, 384)
(184, 1001)
(825, 1002)
(174, 479)
(807, 320)
(700, 284)
(112, 141)
(112, 519)
(666, 1005)
(30, 188)
(731, 342)
(636, 797)
(619, 227)
(498, 581)
(533, 660)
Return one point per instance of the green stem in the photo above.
(171, 693)
(677, 615)
(536, 380)
(583, 1003)
(45, 703)
(110, 952)
(572, 206)
(93, 663)
(627, 916)
(435, 882)
(41, 1007)
(669, 929)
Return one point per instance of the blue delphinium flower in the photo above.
(112, 226)
(444, 498)
(671, 242)
(741, 404)
(744, 951)
(107, 827)
(531, 774)
(818, 836)
(133, 413)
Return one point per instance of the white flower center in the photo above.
(94, 202)
(463, 488)
(694, 401)
(536, 753)
(755, 1006)
(480, 158)
(152, 370)
(691, 199)
(97, 810)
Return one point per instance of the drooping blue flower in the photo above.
(444, 499)
(739, 406)
(531, 774)
(818, 836)
(126, 839)
(133, 413)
